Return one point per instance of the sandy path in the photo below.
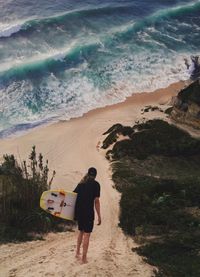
(110, 252)
(71, 148)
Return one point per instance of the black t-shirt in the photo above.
(87, 192)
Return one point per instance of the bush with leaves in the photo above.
(152, 137)
(20, 189)
(157, 173)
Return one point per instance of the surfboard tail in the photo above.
(59, 203)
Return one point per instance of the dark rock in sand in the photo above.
(186, 106)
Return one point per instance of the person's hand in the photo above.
(99, 221)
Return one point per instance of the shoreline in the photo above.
(150, 97)
(135, 97)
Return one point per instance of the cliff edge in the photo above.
(186, 106)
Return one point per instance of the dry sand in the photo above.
(71, 147)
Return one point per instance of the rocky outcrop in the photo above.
(186, 106)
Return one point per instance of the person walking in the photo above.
(88, 191)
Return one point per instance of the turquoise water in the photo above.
(60, 59)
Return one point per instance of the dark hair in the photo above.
(91, 174)
(92, 171)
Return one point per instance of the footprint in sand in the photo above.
(52, 250)
(61, 274)
(42, 258)
(98, 145)
(50, 274)
(12, 272)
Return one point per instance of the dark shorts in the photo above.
(86, 225)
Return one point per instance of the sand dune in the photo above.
(71, 147)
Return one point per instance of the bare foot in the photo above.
(78, 256)
(84, 261)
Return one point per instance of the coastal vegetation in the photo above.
(21, 186)
(156, 169)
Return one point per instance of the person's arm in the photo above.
(98, 210)
(76, 189)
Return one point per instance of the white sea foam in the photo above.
(75, 94)
(85, 96)
(196, 28)
(176, 8)
(8, 30)
(59, 56)
(52, 54)
(146, 72)
(174, 38)
(145, 37)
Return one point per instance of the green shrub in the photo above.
(190, 93)
(157, 173)
(20, 189)
(113, 133)
(175, 257)
(161, 203)
(153, 137)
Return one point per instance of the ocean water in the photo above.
(62, 58)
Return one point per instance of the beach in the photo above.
(71, 147)
(69, 70)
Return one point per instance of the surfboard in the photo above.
(59, 203)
